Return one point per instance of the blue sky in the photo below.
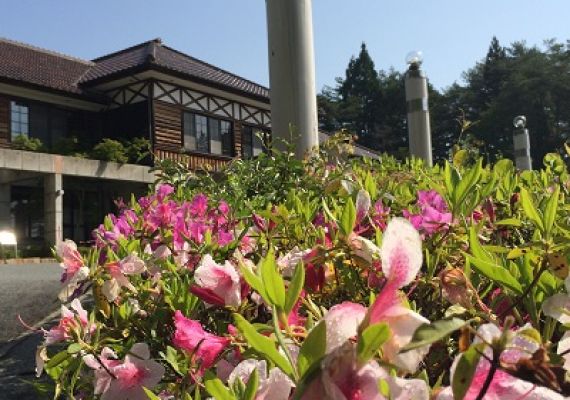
(231, 34)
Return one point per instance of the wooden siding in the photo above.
(193, 161)
(237, 139)
(4, 122)
(168, 140)
(167, 127)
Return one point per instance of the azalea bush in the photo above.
(328, 278)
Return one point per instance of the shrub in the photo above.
(137, 149)
(23, 142)
(347, 278)
(110, 150)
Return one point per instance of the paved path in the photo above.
(31, 291)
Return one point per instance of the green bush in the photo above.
(23, 142)
(110, 150)
(137, 149)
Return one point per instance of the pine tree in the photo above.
(358, 97)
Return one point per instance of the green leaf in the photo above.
(348, 218)
(150, 394)
(74, 348)
(263, 345)
(57, 359)
(476, 249)
(216, 388)
(509, 222)
(431, 333)
(57, 364)
(252, 385)
(530, 209)
(370, 341)
(468, 182)
(496, 273)
(272, 280)
(464, 371)
(295, 287)
(550, 210)
(313, 348)
(253, 280)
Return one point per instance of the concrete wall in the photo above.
(20, 160)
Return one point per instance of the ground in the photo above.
(29, 290)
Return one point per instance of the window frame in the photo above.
(19, 103)
(254, 129)
(208, 117)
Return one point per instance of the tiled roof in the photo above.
(29, 64)
(154, 54)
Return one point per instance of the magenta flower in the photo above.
(380, 215)
(70, 321)
(217, 284)
(273, 386)
(163, 191)
(128, 377)
(434, 214)
(192, 338)
(199, 205)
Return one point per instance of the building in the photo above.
(188, 110)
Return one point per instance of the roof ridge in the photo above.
(46, 51)
(109, 55)
(214, 66)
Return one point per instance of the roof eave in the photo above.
(92, 97)
(150, 66)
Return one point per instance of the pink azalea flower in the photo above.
(342, 322)
(341, 378)
(130, 265)
(434, 214)
(217, 284)
(380, 215)
(163, 191)
(71, 259)
(71, 321)
(191, 337)
(503, 386)
(315, 277)
(128, 377)
(362, 205)
(401, 256)
(273, 386)
(199, 205)
(289, 261)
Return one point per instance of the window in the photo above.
(252, 141)
(19, 117)
(207, 134)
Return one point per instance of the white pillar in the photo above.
(292, 73)
(521, 141)
(53, 209)
(419, 131)
(5, 207)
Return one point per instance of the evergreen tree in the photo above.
(358, 97)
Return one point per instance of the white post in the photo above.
(521, 141)
(53, 209)
(292, 73)
(419, 131)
